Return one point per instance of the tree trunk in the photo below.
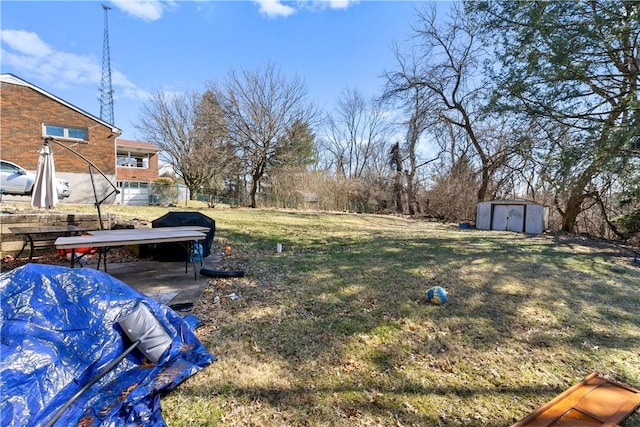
(252, 193)
(571, 212)
(484, 185)
(193, 192)
(397, 192)
(396, 162)
(412, 202)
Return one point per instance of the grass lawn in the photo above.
(335, 330)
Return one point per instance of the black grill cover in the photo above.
(175, 251)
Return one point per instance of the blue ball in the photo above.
(437, 295)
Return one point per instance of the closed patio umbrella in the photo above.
(45, 193)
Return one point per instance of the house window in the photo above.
(65, 132)
(133, 160)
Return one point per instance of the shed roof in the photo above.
(510, 202)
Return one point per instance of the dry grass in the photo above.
(335, 330)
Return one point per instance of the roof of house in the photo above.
(12, 79)
(146, 147)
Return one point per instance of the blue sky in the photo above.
(181, 45)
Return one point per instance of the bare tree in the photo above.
(288, 179)
(451, 195)
(440, 78)
(170, 121)
(415, 105)
(260, 109)
(210, 126)
(355, 135)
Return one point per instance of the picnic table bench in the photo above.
(106, 239)
(44, 236)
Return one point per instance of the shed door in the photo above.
(508, 218)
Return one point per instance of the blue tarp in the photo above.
(60, 327)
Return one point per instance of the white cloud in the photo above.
(127, 89)
(26, 42)
(331, 4)
(316, 5)
(274, 8)
(27, 53)
(32, 58)
(147, 10)
(340, 4)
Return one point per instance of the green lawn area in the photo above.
(336, 331)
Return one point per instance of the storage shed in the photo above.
(512, 215)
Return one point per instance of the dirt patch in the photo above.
(114, 255)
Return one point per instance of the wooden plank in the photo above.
(595, 401)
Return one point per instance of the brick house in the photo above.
(137, 166)
(31, 114)
(136, 160)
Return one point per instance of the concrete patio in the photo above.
(166, 282)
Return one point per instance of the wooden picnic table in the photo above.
(105, 239)
(31, 235)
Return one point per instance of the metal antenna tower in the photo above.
(106, 92)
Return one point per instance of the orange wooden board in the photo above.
(595, 401)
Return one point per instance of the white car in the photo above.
(16, 180)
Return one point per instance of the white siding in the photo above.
(536, 219)
(483, 216)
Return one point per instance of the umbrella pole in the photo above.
(91, 167)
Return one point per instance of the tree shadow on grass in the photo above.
(368, 401)
(354, 296)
